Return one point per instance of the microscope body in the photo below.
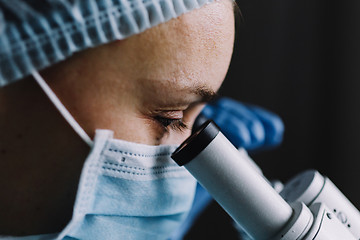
(314, 222)
(308, 207)
(335, 217)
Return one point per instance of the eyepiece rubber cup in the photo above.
(196, 143)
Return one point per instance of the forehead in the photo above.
(185, 54)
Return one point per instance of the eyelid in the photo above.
(171, 120)
(171, 114)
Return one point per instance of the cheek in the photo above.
(140, 130)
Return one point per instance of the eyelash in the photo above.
(174, 124)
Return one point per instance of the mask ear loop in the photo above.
(64, 112)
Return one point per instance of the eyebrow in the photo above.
(206, 94)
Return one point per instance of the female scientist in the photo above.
(108, 89)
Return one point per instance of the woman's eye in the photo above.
(169, 123)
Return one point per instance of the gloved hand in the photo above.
(247, 126)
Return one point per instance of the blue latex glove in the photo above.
(247, 126)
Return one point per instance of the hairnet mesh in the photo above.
(36, 34)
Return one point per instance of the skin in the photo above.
(168, 71)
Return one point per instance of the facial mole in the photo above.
(19, 136)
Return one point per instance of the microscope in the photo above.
(308, 207)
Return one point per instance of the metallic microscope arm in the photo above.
(309, 207)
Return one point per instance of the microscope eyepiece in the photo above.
(196, 143)
(233, 182)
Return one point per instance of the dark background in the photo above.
(301, 60)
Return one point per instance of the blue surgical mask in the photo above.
(127, 190)
(130, 191)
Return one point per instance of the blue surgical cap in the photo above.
(35, 34)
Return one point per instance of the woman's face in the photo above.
(149, 88)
